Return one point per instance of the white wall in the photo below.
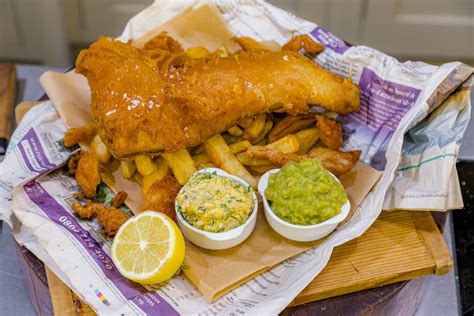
(42, 30)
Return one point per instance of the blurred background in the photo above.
(51, 32)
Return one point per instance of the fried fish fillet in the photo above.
(157, 98)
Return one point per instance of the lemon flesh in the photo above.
(148, 248)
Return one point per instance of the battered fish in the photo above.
(157, 98)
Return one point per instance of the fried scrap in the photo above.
(72, 162)
(164, 42)
(81, 134)
(249, 44)
(78, 195)
(289, 125)
(334, 161)
(275, 157)
(119, 199)
(110, 218)
(303, 42)
(330, 131)
(161, 196)
(84, 211)
(88, 174)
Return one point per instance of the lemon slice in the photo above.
(148, 248)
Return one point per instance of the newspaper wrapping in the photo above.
(410, 125)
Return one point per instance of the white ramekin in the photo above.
(216, 241)
(299, 232)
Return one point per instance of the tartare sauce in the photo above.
(215, 203)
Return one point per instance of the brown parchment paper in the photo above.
(214, 273)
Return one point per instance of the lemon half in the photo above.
(148, 248)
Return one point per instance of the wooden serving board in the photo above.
(7, 101)
(399, 246)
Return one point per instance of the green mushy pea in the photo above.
(304, 193)
(214, 203)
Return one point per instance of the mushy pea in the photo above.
(215, 203)
(304, 193)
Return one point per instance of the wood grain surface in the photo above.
(399, 246)
(7, 98)
(63, 303)
(22, 108)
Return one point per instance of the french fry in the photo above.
(245, 159)
(307, 138)
(220, 154)
(257, 125)
(128, 168)
(145, 165)
(266, 129)
(181, 164)
(229, 139)
(100, 150)
(235, 131)
(263, 168)
(197, 52)
(289, 125)
(161, 171)
(239, 146)
(235, 148)
(288, 144)
(201, 159)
